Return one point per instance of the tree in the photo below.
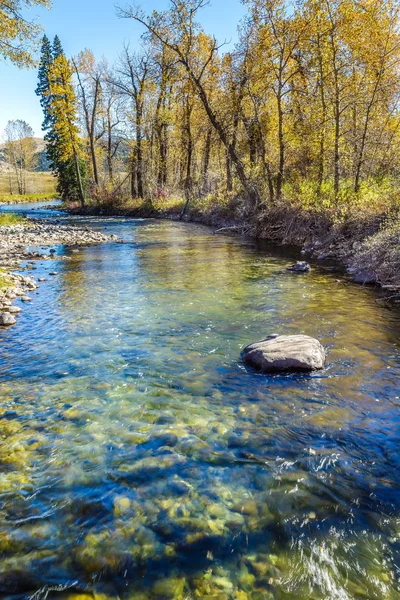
(90, 94)
(132, 79)
(42, 90)
(304, 108)
(18, 36)
(63, 109)
(20, 150)
(178, 30)
(59, 104)
(48, 54)
(112, 116)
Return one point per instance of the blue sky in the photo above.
(93, 24)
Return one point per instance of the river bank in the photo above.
(365, 244)
(27, 241)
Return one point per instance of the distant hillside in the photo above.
(42, 162)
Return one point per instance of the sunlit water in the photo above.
(140, 459)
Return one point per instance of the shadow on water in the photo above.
(140, 459)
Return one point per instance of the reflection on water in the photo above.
(140, 459)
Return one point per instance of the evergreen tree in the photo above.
(57, 98)
(46, 58)
(57, 48)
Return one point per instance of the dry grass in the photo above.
(379, 254)
(39, 186)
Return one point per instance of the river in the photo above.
(140, 459)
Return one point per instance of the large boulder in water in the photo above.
(285, 353)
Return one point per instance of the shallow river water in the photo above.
(141, 460)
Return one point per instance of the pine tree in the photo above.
(46, 58)
(58, 101)
(57, 48)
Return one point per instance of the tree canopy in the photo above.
(19, 35)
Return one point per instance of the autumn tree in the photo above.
(18, 35)
(178, 30)
(303, 109)
(20, 150)
(112, 115)
(132, 78)
(90, 77)
(63, 110)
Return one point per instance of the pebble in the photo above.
(13, 309)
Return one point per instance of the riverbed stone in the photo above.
(365, 277)
(300, 267)
(6, 320)
(14, 310)
(286, 353)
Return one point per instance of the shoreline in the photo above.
(42, 236)
(27, 200)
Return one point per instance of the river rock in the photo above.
(6, 319)
(286, 353)
(364, 277)
(14, 310)
(300, 267)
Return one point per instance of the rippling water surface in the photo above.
(141, 460)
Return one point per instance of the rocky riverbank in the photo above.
(27, 242)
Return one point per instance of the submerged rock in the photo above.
(300, 267)
(286, 353)
(7, 319)
(364, 277)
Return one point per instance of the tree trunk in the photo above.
(229, 182)
(109, 153)
(249, 189)
(163, 155)
(134, 192)
(281, 141)
(360, 158)
(207, 153)
(321, 158)
(139, 150)
(79, 178)
(189, 156)
(336, 157)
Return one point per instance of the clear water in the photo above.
(140, 459)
